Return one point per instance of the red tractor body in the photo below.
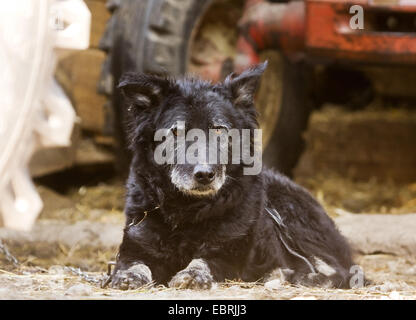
(322, 29)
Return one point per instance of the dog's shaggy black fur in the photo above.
(251, 226)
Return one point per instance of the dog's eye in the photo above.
(220, 130)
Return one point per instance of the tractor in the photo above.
(319, 51)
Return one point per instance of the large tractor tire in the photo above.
(179, 36)
(144, 36)
(286, 139)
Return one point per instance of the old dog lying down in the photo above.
(189, 225)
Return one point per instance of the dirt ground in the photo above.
(72, 271)
(394, 278)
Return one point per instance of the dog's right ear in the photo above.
(243, 87)
(142, 91)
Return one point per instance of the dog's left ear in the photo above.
(244, 86)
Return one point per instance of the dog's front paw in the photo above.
(196, 276)
(134, 277)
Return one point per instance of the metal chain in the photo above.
(77, 271)
(110, 264)
(85, 276)
(9, 257)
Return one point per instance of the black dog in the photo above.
(191, 224)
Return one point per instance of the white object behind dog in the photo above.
(34, 111)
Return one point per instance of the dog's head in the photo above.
(172, 123)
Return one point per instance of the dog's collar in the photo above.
(136, 222)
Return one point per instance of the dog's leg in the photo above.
(132, 277)
(197, 275)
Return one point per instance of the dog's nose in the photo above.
(204, 174)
